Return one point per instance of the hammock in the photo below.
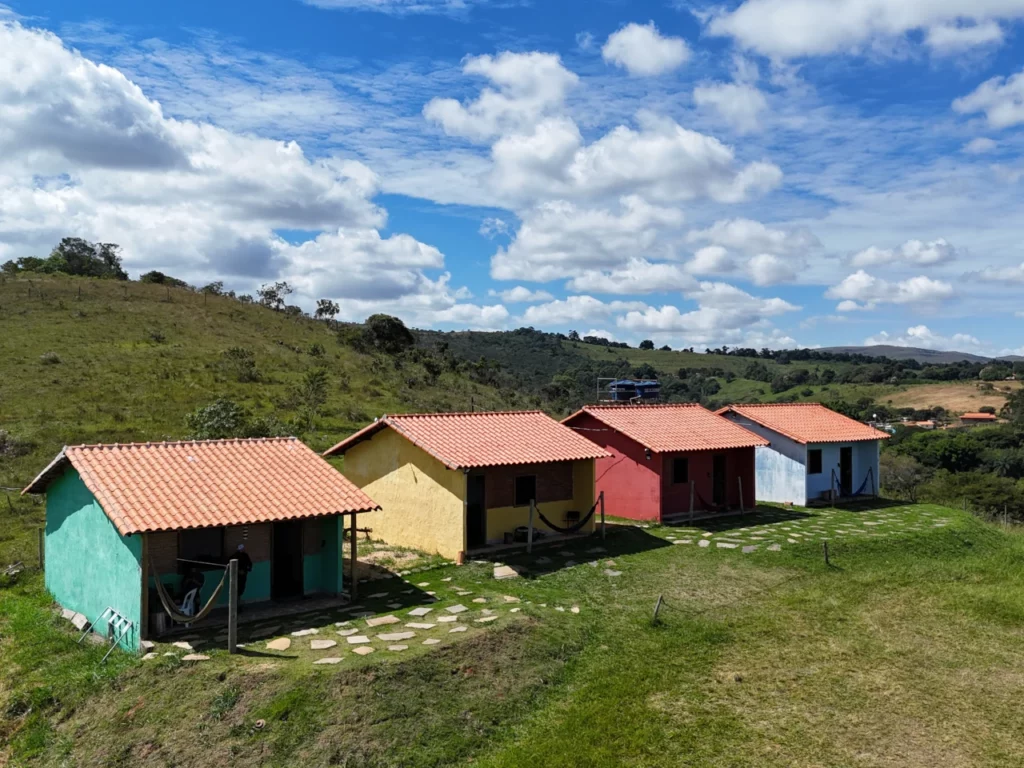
(712, 507)
(172, 609)
(571, 529)
(870, 475)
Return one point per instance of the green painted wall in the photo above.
(321, 572)
(89, 565)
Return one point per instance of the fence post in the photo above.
(824, 546)
(233, 606)
(601, 499)
(354, 587)
(529, 531)
(42, 549)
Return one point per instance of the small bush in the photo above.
(156, 336)
(316, 349)
(50, 358)
(242, 364)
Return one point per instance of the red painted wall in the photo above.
(739, 463)
(631, 484)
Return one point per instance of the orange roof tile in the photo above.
(807, 422)
(463, 440)
(673, 427)
(203, 483)
(980, 416)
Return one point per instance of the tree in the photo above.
(225, 418)
(996, 372)
(75, 256)
(646, 344)
(666, 348)
(216, 288)
(272, 295)
(311, 396)
(574, 335)
(159, 278)
(902, 476)
(387, 334)
(10, 267)
(326, 309)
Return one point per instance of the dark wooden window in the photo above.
(680, 470)
(201, 544)
(526, 490)
(814, 461)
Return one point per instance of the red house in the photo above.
(669, 461)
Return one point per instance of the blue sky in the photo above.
(755, 173)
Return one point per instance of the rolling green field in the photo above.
(87, 361)
(905, 650)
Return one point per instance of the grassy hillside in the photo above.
(89, 361)
(904, 651)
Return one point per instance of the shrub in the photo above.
(316, 349)
(11, 447)
(242, 363)
(388, 334)
(225, 418)
(311, 396)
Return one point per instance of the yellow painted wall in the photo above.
(422, 501)
(502, 519)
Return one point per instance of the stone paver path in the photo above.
(322, 645)
(329, 660)
(380, 621)
(363, 650)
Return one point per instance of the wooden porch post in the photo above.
(601, 498)
(740, 478)
(354, 588)
(233, 606)
(144, 619)
(691, 501)
(529, 532)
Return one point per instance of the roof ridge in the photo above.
(613, 406)
(461, 413)
(170, 443)
(774, 405)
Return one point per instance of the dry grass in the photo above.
(957, 398)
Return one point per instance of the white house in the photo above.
(814, 452)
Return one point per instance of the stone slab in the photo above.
(79, 621)
(420, 625)
(357, 639)
(431, 641)
(394, 637)
(363, 650)
(348, 632)
(504, 572)
(456, 608)
(421, 611)
(704, 543)
(485, 619)
(460, 628)
(381, 621)
(329, 660)
(185, 646)
(322, 645)
(281, 644)
(305, 632)
(446, 619)
(398, 647)
(195, 657)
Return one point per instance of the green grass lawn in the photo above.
(904, 651)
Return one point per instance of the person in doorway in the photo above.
(244, 566)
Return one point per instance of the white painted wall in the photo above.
(865, 458)
(780, 471)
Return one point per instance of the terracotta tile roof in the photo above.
(463, 440)
(203, 483)
(670, 428)
(807, 422)
(980, 416)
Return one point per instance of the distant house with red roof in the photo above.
(974, 419)
(118, 517)
(457, 482)
(814, 453)
(668, 460)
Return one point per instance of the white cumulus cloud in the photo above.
(739, 104)
(923, 337)
(638, 276)
(861, 290)
(915, 252)
(1000, 98)
(643, 51)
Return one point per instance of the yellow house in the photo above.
(459, 482)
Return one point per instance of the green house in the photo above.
(119, 517)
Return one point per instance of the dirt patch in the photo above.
(956, 398)
(389, 556)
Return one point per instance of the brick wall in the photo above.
(554, 483)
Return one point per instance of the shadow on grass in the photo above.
(619, 540)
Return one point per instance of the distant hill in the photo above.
(913, 353)
(85, 360)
